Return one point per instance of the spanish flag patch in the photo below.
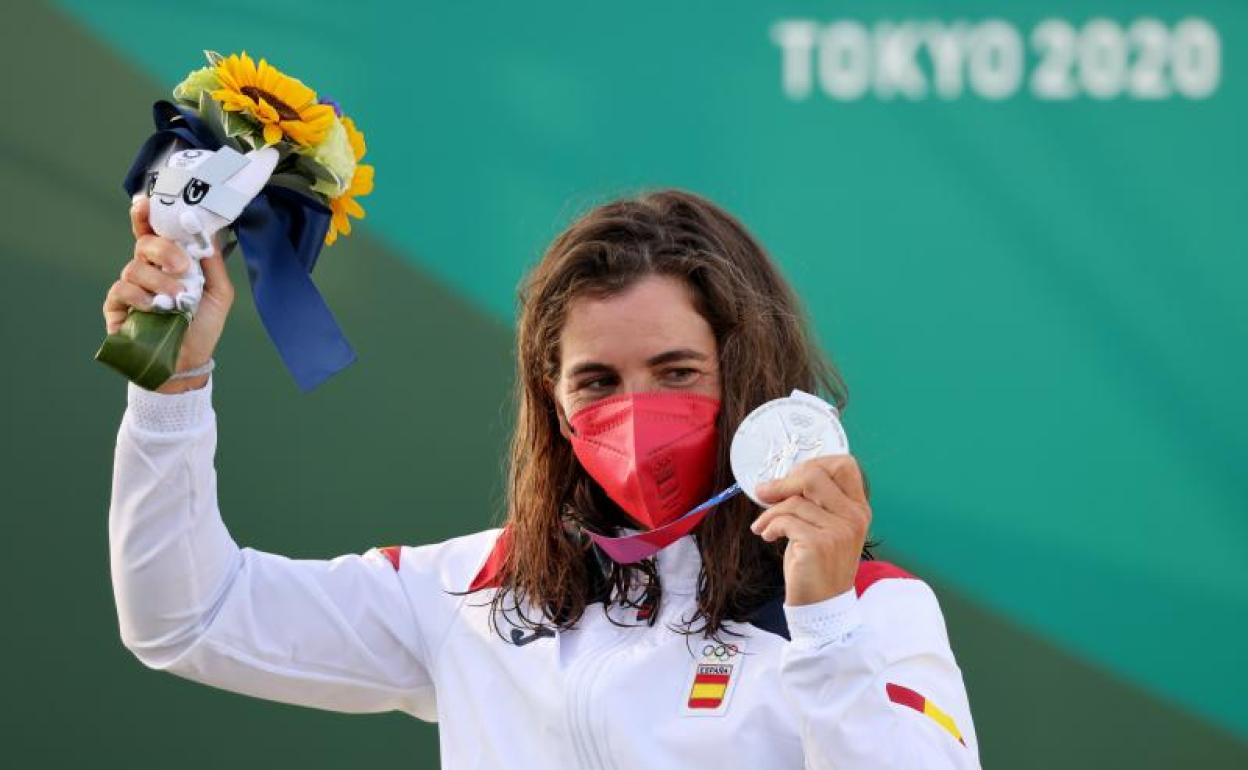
(710, 684)
(715, 672)
(906, 697)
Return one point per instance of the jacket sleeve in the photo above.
(874, 682)
(337, 634)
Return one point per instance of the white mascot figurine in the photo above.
(195, 193)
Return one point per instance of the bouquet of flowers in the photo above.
(247, 155)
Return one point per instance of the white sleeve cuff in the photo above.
(831, 621)
(169, 412)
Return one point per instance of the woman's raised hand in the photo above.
(821, 507)
(157, 264)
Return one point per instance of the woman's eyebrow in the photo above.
(666, 357)
(672, 356)
(590, 367)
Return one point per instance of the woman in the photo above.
(765, 639)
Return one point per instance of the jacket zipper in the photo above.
(581, 698)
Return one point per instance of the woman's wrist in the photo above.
(169, 411)
(191, 378)
(183, 385)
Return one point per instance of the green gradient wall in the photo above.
(1037, 302)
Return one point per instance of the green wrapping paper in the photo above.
(145, 348)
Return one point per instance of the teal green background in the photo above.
(1038, 307)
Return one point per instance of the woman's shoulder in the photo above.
(899, 605)
(871, 572)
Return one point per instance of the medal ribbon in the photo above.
(629, 549)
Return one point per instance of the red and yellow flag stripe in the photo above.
(907, 697)
(708, 690)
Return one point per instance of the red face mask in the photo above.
(652, 453)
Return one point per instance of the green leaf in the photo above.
(236, 124)
(323, 179)
(213, 116)
(326, 189)
(316, 170)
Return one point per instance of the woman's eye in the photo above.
(680, 375)
(597, 385)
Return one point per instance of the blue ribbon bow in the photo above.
(281, 233)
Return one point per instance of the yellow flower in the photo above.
(361, 185)
(355, 137)
(282, 104)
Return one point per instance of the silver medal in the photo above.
(781, 434)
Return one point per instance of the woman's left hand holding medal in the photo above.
(821, 508)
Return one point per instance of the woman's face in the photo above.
(648, 337)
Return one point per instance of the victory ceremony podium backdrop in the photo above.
(1020, 229)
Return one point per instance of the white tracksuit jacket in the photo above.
(863, 680)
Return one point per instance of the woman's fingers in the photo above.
(790, 526)
(821, 507)
(120, 298)
(814, 481)
(150, 278)
(140, 205)
(796, 506)
(139, 279)
(826, 493)
(808, 479)
(162, 252)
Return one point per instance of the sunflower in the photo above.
(361, 185)
(355, 137)
(282, 104)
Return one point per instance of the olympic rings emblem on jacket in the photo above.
(720, 651)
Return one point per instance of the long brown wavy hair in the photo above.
(552, 572)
